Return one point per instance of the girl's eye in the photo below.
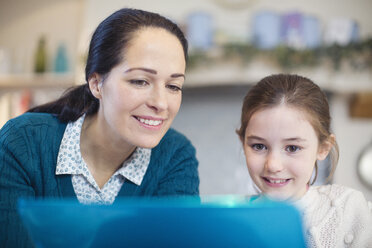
(292, 148)
(138, 82)
(259, 147)
(174, 87)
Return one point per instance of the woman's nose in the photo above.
(158, 99)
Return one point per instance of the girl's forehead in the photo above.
(280, 121)
(284, 110)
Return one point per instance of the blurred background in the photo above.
(233, 44)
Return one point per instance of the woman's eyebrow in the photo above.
(142, 69)
(176, 75)
(152, 71)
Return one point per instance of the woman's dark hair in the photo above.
(294, 91)
(106, 50)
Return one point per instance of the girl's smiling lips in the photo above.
(275, 182)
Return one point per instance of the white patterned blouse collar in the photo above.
(70, 161)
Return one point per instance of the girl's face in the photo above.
(141, 96)
(281, 148)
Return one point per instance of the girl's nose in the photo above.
(273, 162)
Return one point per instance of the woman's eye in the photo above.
(258, 147)
(292, 148)
(139, 82)
(174, 87)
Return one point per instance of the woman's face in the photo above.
(141, 96)
(281, 148)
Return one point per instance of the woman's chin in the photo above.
(149, 143)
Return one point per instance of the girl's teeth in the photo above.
(150, 122)
(277, 181)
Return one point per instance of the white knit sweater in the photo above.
(336, 216)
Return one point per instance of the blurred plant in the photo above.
(334, 53)
(197, 58)
(358, 55)
(245, 52)
(289, 58)
(363, 58)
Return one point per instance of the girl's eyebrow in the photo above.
(255, 137)
(298, 139)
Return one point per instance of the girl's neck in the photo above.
(291, 200)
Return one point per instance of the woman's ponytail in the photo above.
(75, 102)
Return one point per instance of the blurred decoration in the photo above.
(266, 30)
(200, 31)
(341, 31)
(287, 41)
(4, 61)
(21, 102)
(292, 30)
(312, 33)
(14, 103)
(40, 56)
(234, 4)
(360, 106)
(364, 168)
(61, 62)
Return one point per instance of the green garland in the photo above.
(357, 54)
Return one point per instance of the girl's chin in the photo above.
(278, 197)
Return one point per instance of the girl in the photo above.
(285, 129)
(109, 137)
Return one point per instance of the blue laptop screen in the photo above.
(222, 222)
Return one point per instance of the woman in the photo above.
(109, 137)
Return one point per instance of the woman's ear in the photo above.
(95, 85)
(326, 147)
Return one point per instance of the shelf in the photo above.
(22, 81)
(229, 74)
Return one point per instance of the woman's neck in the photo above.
(99, 150)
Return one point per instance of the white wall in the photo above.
(22, 22)
(238, 20)
(209, 118)
(352, 136)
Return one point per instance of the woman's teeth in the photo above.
(150, 122)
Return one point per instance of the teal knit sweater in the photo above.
(29, 146)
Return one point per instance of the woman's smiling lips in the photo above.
(150, 122)
(275, 182)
